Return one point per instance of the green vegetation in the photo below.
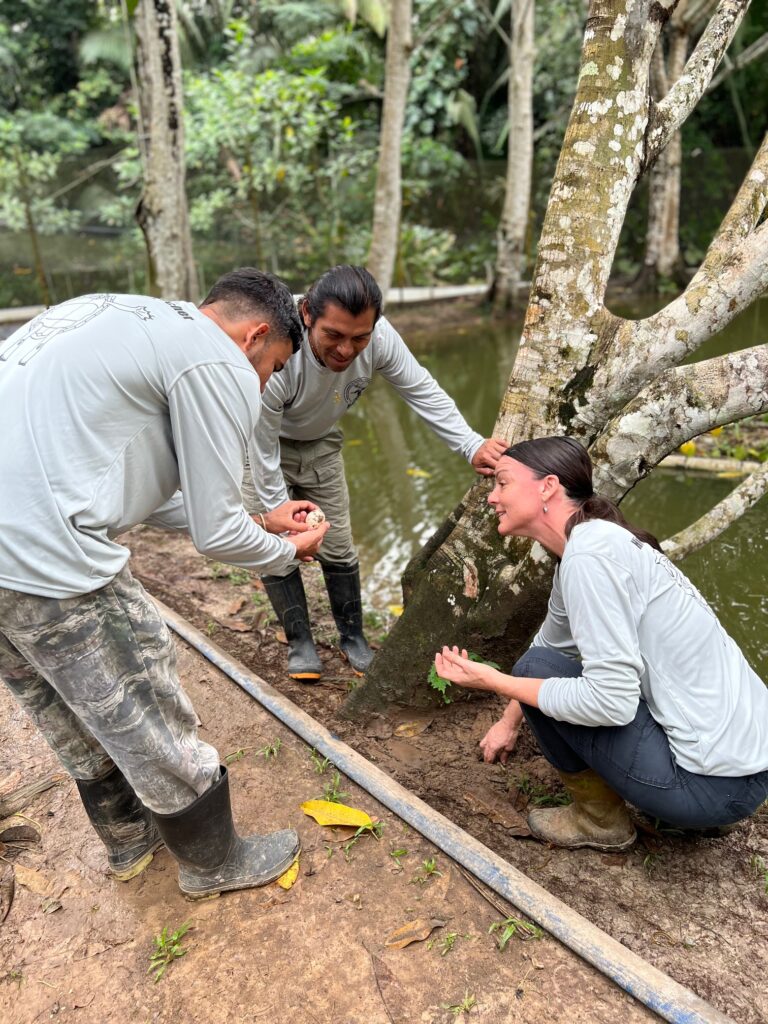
(332, 791)
(167, 949)
(270, 750)
(288, 182)
(504, 930)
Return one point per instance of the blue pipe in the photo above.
(650, 986)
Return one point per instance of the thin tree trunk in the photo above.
(511, 236)
(388, 197)
(663, 259)
(162, 211)
(26, 201)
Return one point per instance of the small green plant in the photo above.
(444, 943)
(650, 863)
(759, 869)
(270, 750)
(397, 856)
(219, 570)
(375, 829)
(167, 949)
(211, 627)
(236, 755)
(443, 686)
(537, 793)
(513, 926)
(238, 577)
(318, 763)
(429, 867)
(465, 1006)
(332, 791)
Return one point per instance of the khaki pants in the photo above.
(97, 675)
(314, 471)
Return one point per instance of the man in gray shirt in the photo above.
(298, 449)
(111, 404)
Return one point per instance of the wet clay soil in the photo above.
(695, 907)
(75, 944)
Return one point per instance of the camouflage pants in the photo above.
(97, 675)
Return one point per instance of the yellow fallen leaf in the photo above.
(729, 475)
(286, 881)
(688, 448)
(416, 728)
(418, 472)
(414, 931)
(325, 812)
(716, 431)
(395, 609)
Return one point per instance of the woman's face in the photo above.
(516, 498)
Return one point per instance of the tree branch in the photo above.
(680, 404)
(719, 518)
(670, 113)
(733, 274)
(752, 52)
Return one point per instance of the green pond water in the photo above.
(394, 512)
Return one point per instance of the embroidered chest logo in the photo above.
(354, 389)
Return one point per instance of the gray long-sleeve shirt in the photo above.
(642, 630)
(306, 399)
(109, 404)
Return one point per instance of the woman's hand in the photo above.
(454, 665)
(499, 741)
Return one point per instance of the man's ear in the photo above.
(256, 335)
(304, 311)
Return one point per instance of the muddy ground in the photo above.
(695, 907)
(75, 945)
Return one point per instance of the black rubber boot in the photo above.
(121, 821)
(286, 594)
(212, 857)
(343, 585)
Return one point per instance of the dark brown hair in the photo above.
(248, 292)
(567, 459)
(352, 288)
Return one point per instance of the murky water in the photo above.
(396, 506)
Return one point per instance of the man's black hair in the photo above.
(352, 288)
(248, 292)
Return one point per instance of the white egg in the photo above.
(315, 517)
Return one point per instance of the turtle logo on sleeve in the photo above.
(354, 389)
(67, 316)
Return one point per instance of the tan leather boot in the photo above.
(598, 817)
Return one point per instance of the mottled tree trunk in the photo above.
(579, 365)
(663, 260)
(388, 197)
(162, 212)
(513, 226)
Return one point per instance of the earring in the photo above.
(545, 507)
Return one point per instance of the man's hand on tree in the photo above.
(288, 517)
(488, 454)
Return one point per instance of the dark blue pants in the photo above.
(635, 760)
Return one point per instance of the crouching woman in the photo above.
(632, 688)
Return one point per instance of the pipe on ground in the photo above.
(640, 979)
